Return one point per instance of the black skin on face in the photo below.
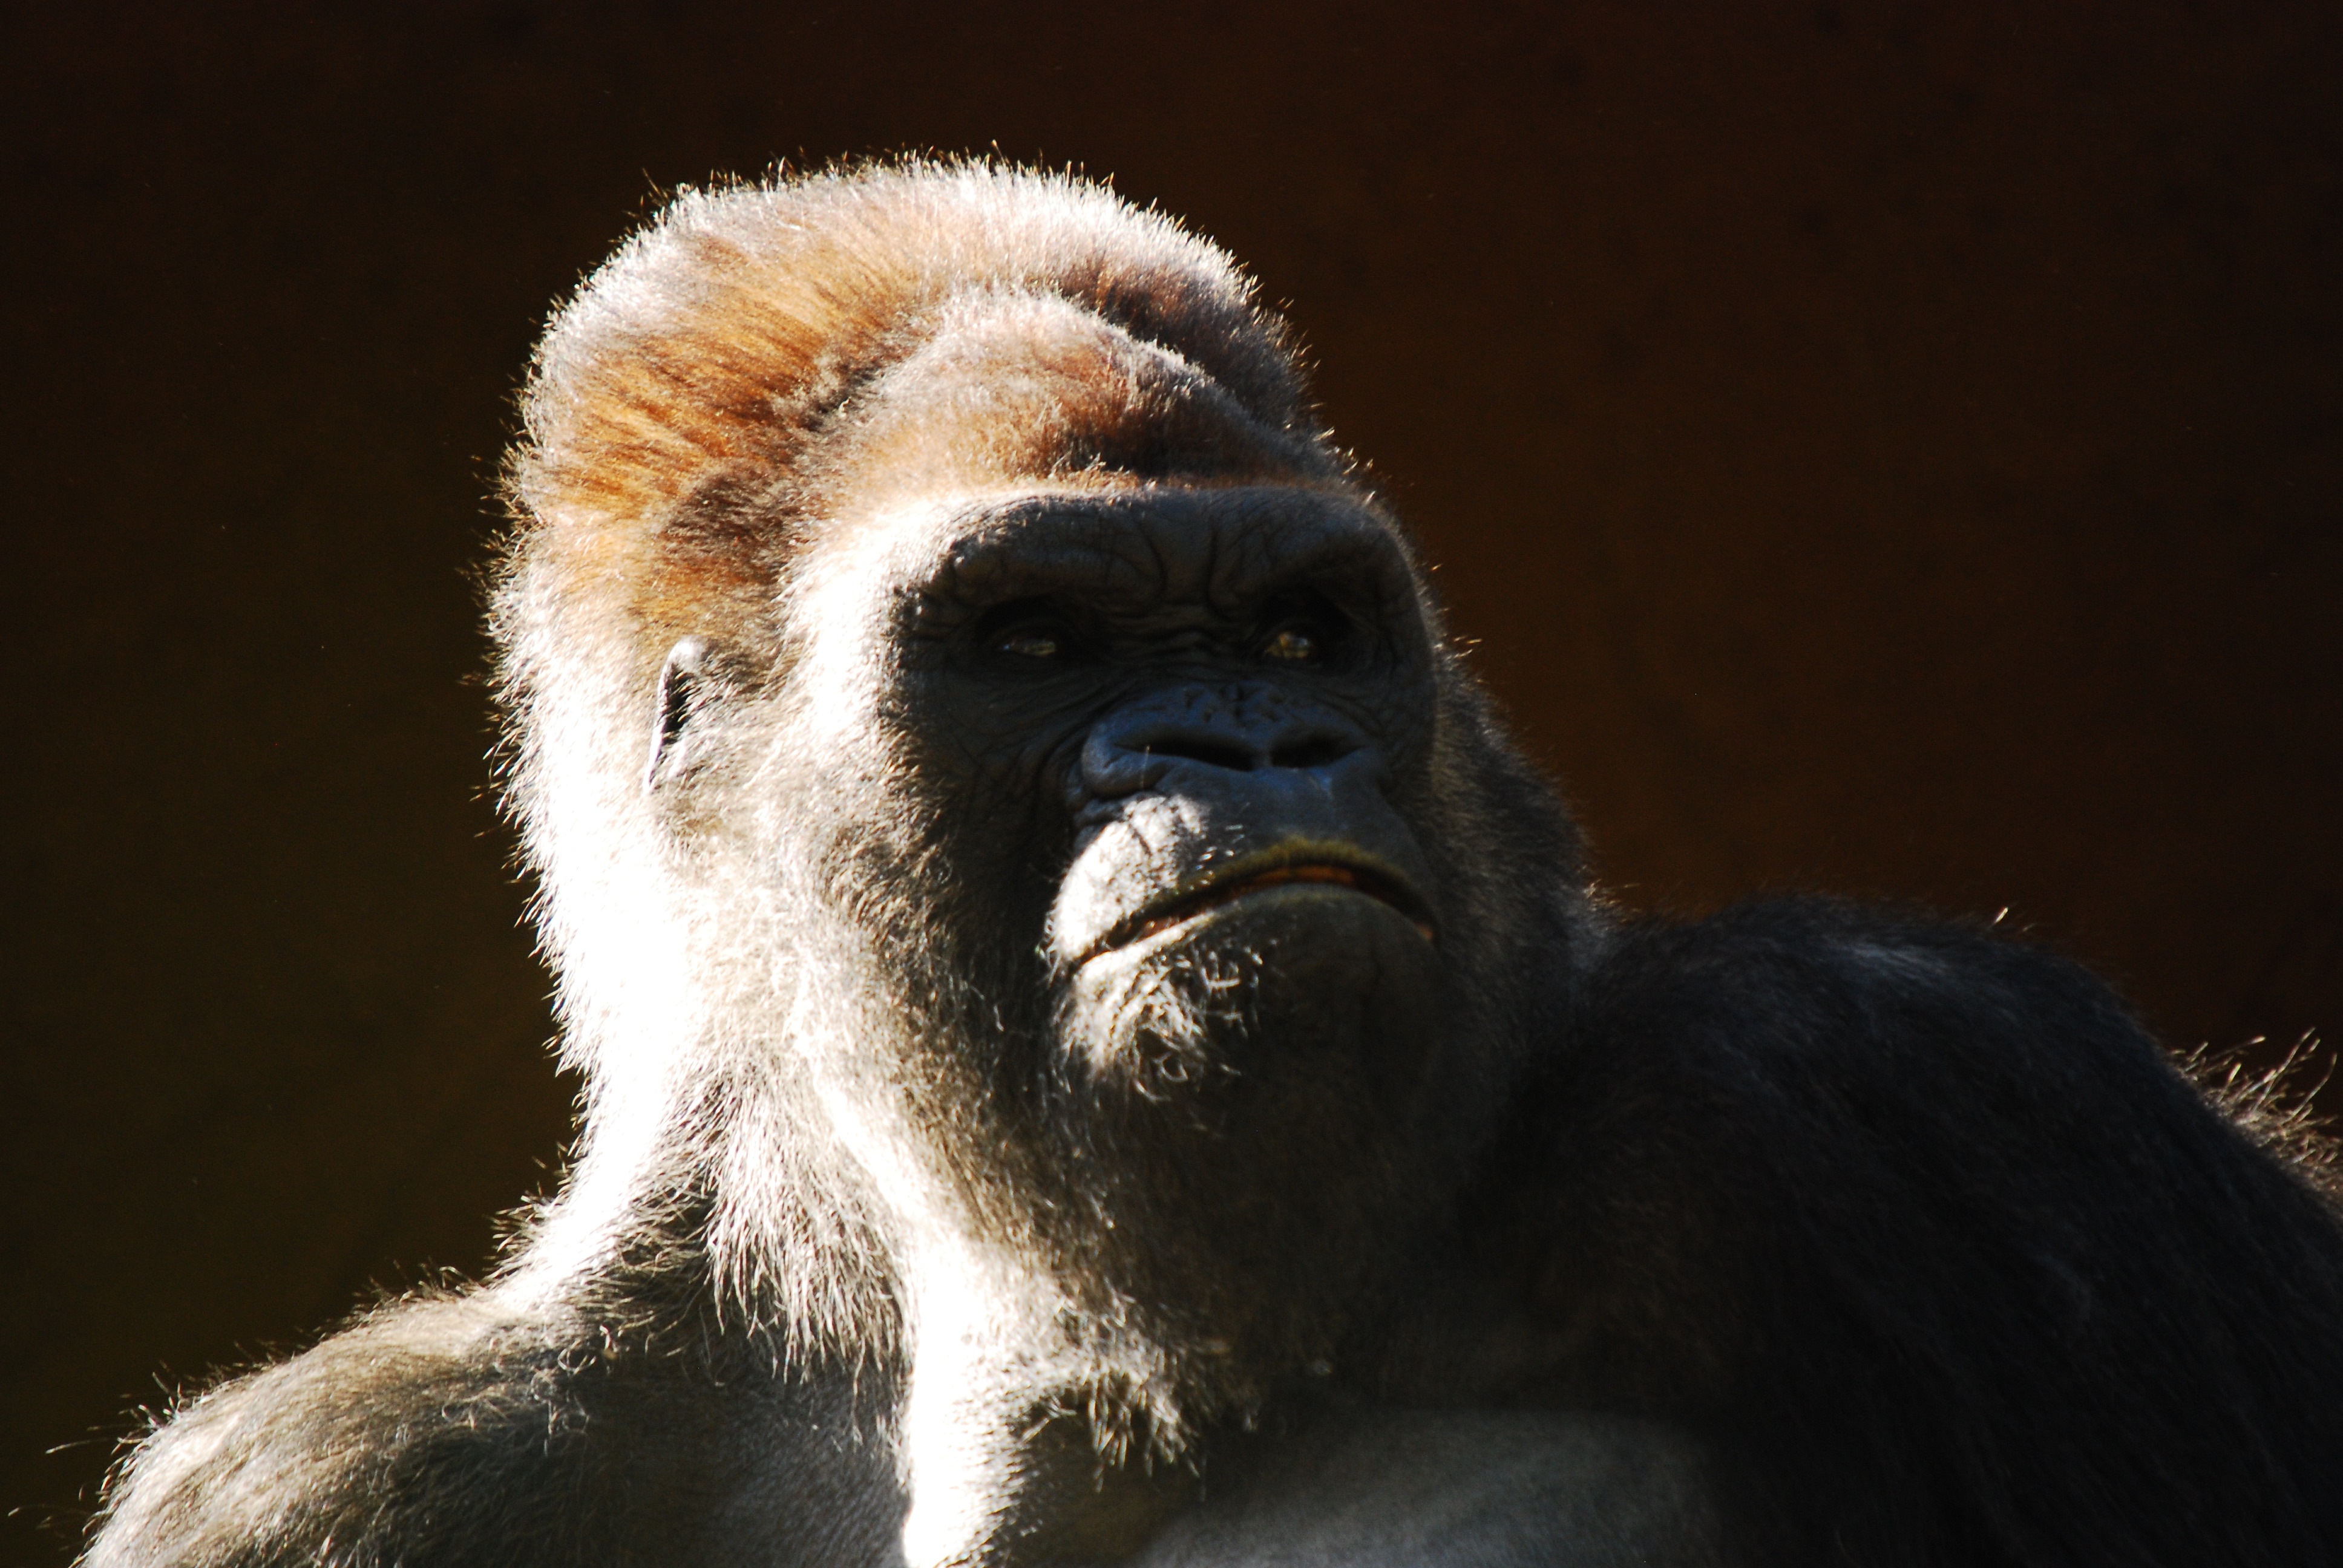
(1257, 651)
(1039, 616)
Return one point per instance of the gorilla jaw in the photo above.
(1218, 1156)
(1240, 1100)
(1313, 970)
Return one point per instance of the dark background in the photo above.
(1890, 449)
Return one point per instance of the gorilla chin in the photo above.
(1320, 964)
(1218, 1067)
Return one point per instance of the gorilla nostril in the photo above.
(1315, 752)
(1235, 758)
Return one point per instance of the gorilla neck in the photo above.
(1016, 1399)
(1038, 1385)
(1063, 1377)
(1013, 1414)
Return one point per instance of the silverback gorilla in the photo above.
(1099, 1051)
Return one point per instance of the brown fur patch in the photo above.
(712, 394)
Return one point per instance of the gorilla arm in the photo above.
(473, 1430)
(1933, 1250)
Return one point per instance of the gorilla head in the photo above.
(1072, 883)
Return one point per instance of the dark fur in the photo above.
(1957, 1267)
(1803, 1234)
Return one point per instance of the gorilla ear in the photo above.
(688, 685)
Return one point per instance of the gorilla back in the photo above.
(1098, 1049)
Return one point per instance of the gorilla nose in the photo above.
(1233, 729)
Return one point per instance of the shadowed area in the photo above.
(1884, 449)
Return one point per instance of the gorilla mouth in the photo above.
(1259, 874)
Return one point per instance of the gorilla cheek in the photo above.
(1292, 989)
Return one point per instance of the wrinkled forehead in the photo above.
(1144, 546)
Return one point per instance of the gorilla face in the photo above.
(1068, 839)
(1214, 702)
(1166, 759)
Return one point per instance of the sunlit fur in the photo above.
(763, 969)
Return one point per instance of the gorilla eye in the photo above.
(1294, 644)
(1029, 631)
(1302, 626)
(1029, 642)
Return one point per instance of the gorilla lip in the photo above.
(1259, 874)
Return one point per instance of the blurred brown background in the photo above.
(1891, 448)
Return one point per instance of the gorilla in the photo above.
(1098, 1049)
